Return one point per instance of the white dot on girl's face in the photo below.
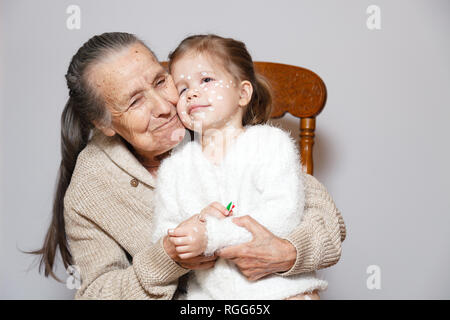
(213, 91)
(199, 66)
(210, 100)
(219, 98)
(182, 76)
(201, 115)
(183, 112)
(204, 73)
(189, 77)
(221, 81)
(211, 109)
(206, 89)
(228, 86)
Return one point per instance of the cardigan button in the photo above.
(134, 182)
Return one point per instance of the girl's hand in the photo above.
(189, 237)
(215, 209)
(197, 263)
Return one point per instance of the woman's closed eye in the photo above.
(160, 81)
(135, 102)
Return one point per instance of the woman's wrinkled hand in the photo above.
(264, 255)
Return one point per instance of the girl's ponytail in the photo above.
(260, 107)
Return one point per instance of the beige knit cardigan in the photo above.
(108, 220)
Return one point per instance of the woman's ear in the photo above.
(107, 130)
(245, 94)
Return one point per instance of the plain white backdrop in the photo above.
(381, 149)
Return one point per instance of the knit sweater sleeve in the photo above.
(105, 270)
(318, 239)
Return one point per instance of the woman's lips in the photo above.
(196, 107)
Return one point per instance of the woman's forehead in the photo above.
(120, 71)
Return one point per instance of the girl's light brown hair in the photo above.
(235, 58)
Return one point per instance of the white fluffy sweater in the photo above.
(261, 175)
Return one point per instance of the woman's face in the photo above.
(141, 98)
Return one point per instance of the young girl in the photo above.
(237, 159)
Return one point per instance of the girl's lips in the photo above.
(193, 108)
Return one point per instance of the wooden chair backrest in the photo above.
(300, 92)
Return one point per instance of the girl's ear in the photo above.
(245, 93)
(107, 130)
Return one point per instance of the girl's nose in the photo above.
(194, 93)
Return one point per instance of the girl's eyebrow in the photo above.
(183, 79)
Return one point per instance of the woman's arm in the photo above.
(318, 239)
(314, 244)
(106, 272)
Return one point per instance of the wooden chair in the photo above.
(300, 92)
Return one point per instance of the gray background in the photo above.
(381, 142)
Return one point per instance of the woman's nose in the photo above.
(161, 107)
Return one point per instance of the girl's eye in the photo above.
(181, 92)
(208, 79)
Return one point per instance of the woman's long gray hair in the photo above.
(83, 107)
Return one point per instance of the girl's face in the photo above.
(209, 96)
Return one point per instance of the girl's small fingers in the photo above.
(177, 232)
(179, 241)
(220, 208)
(182, 249)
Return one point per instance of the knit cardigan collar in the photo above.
(116, 149)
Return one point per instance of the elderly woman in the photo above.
(119, 123)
